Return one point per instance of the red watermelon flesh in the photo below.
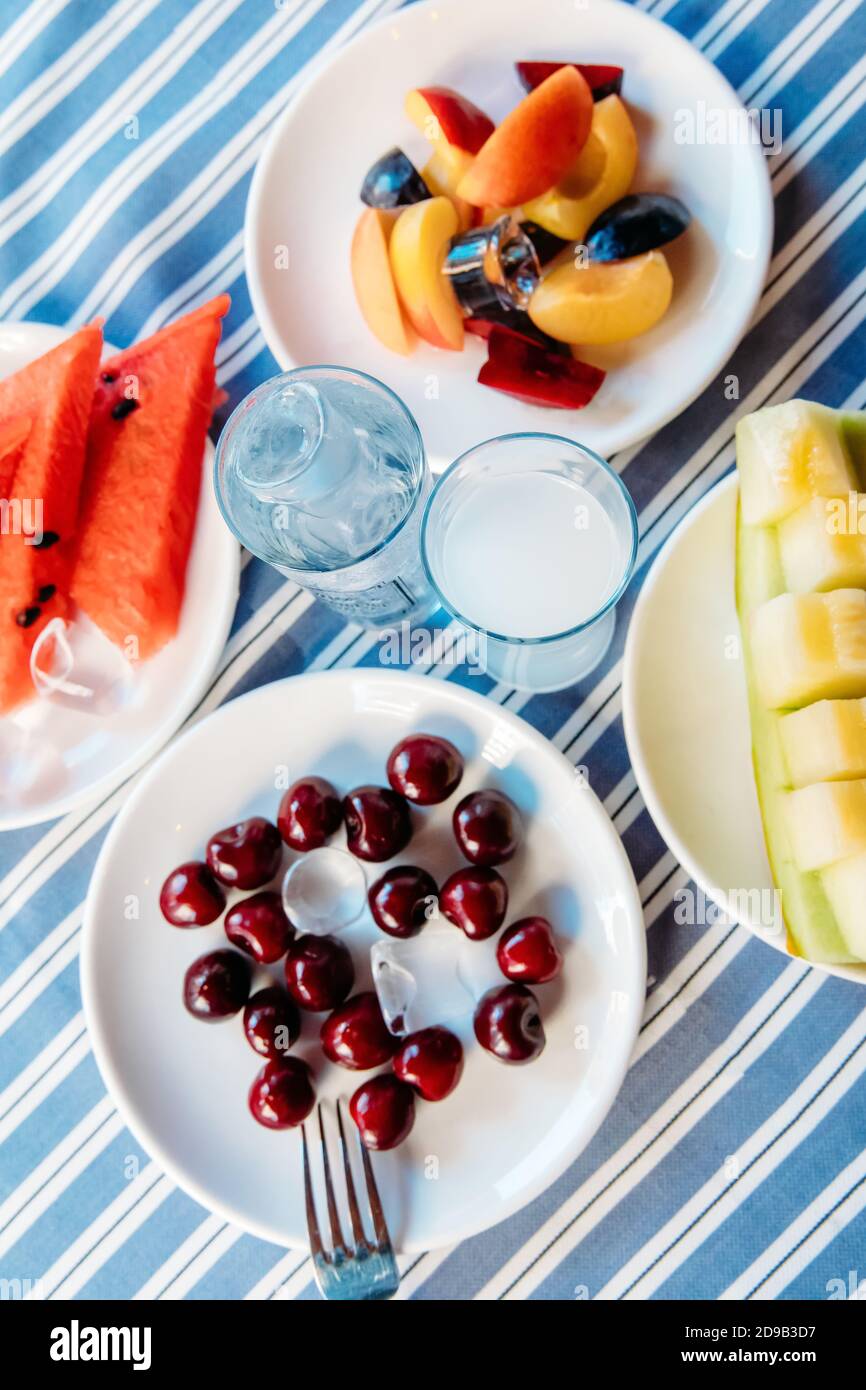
(150, 420)
(55, 393)
(13, 437)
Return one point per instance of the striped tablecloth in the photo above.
(732, 1165)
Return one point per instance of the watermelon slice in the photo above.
(150, 420)
(55, 393)
(13, 437)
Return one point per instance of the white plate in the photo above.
(686, 716)
(92, 753)
(304, 197)
(507, 1132)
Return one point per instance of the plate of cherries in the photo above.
(376, 888)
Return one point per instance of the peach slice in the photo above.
(419, 243)
(601, 174)
(535, 144)
(603, 303)
(375, 290)
(443, 116)
(442, 173)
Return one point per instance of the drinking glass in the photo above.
(530, 540)
(322, 473)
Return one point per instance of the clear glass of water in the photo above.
(322, 473)
(530, 541)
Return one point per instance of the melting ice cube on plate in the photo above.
(434, 977)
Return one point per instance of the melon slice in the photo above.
(150, 420)
(825, 742)
(816, 556)
(810, 647)
(826, 822)
(813, 930)
(788, 454)
(845, 886)
(55, 392)
(13, 437)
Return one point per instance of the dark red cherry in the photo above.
(245, 855)
(282, 1094)
(476, 901)
(309, 813)
(487, 826)
(191, 896)
(527, 952)
(216, 985)
(319, 972)
(259, 926)
(355, 1034)
(431, 1061)
(378, 824)
(401, 899)
(425, 769)
(272, 1023)
(508, 1023)
(383, 1108)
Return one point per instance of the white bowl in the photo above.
(304, 198)
(686, 718)
(507, 1132)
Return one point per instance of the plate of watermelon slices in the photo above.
(118, 577)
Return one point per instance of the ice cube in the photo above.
(422, 980)
(75, 665)
(324, 891)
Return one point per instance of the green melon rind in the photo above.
(812, 927)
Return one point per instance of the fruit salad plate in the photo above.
(507, 1131)
(304, 204)
(686, 717)
(61, 750)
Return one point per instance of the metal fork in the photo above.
(367, 1269)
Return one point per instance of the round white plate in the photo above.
(91, 753)
(304, 198)
(686, 715)
(507, 1132)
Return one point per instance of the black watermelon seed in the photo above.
(49, 538)
(109, 376)
(124, 407)
(46, 592)
(27, 617)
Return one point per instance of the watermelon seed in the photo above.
(27, 617)
(109, 376)
(49, 538)
(46, 592)
(124, 407)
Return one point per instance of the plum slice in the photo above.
(515, 323)
(637, 223)
(547, 244)
(533, 374)
(392, 181)
(603, 79)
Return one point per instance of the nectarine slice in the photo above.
(442, 173)
(535, 144)
(419, 244)
(604, 303)
(444, 116)
(601, 174)
(375, 290)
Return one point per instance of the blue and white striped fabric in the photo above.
(732, 1165)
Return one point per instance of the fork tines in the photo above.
(365, 1268)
